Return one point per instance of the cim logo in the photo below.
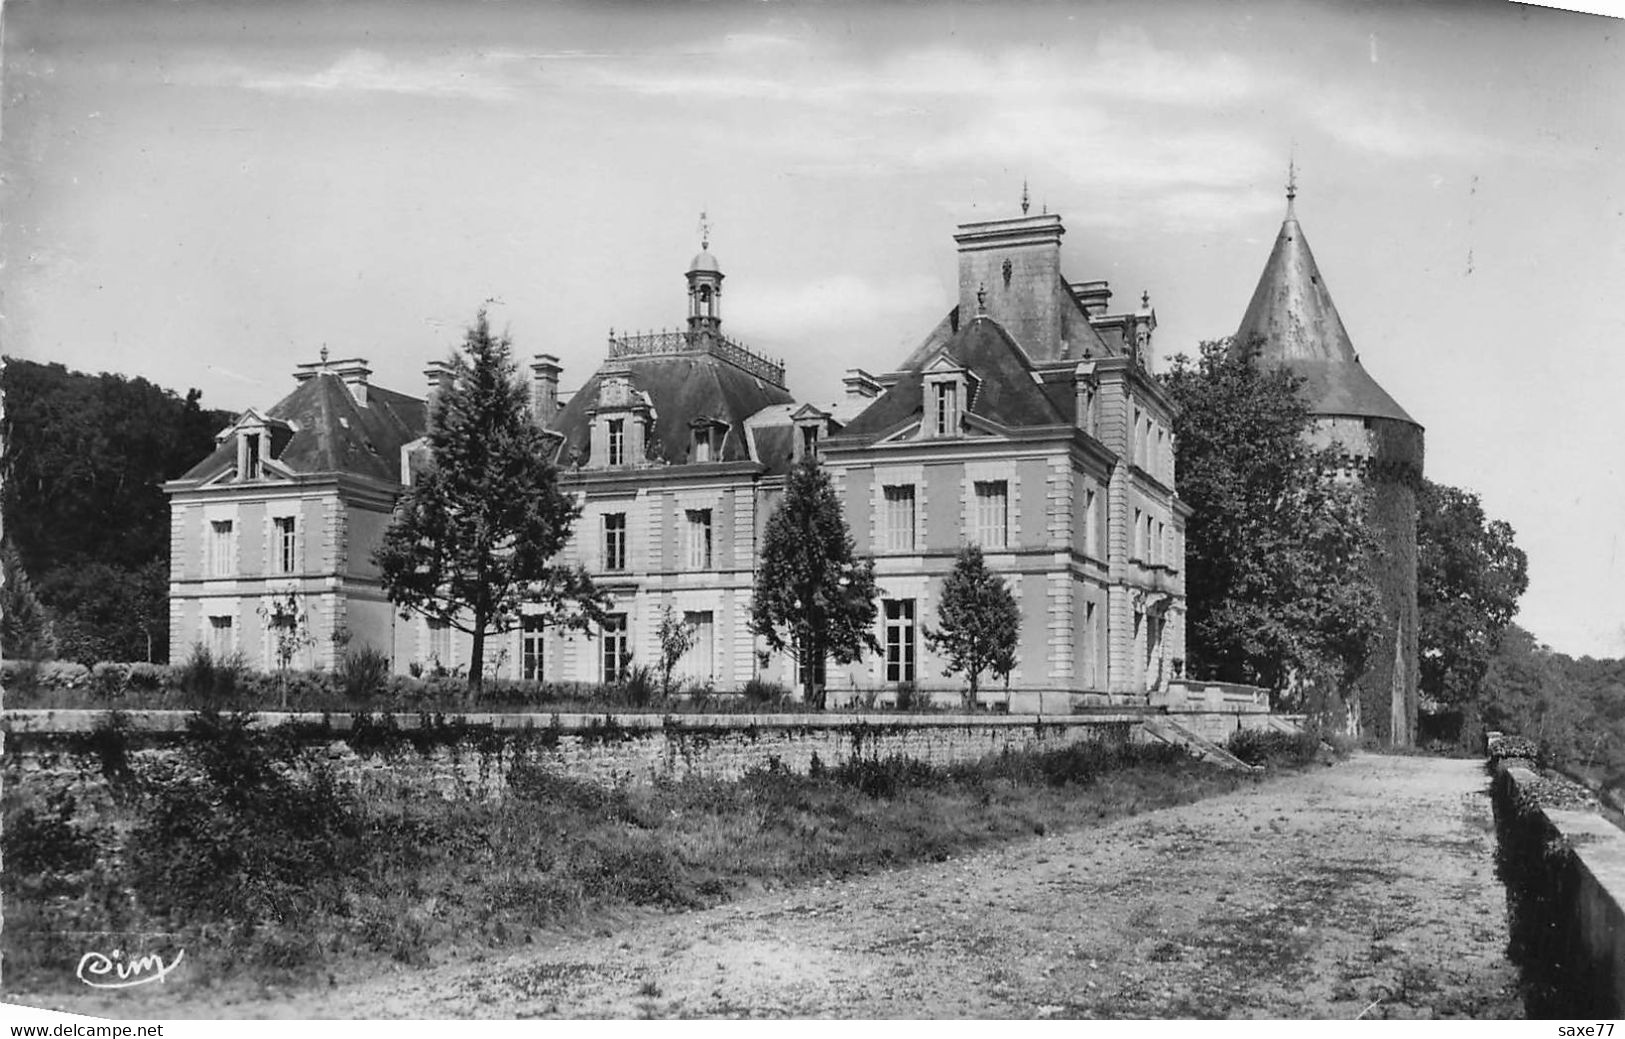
(99, 970)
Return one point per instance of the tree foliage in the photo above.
(980, 622)
(1469, 575)
(1278, 585)
(25, 627)
(812, 593)
(676, 637)
(473, 538)
(86, 457)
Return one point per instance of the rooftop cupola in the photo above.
(704, 286)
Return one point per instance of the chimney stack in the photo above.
(354, 372)
(544, 389)
(860, 385)
(437, 374)
(1095, 296)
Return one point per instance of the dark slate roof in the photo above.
(1007, 393)
(682, 387)
(1294, 323)
(775, 446)
(334, 434)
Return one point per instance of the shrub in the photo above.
(1270, 747)
(363, 673)
(109, 680)
(208, 679)
(887, 777)
(639, 687)
(760, 691)
(63, 675)
(147, 678)
(1515, 747)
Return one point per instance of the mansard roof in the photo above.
(681, 388)
(1008, 393)
(332, 433)
(1294, 324)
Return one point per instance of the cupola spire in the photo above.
(704, 285)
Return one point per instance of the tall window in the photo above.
(809, 441)
(900, 518)
(899, 640)
(1091, 647)
(439, 642)
(699, 661)
(702, 445)
(947, 408)
(285, 544)
(615, 541)
(992, 513)
(220, 640)
(530, 648)
(1139, 543)
(810, 669)
(220, 548)
(1150, 542)
(617, 651)
(1091, 527)
(699, 539)
(251, 467)
(617, 441)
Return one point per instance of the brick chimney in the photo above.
(354, 372)
(437, 376)
(544, 389)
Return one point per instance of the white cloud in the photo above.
(456, 76)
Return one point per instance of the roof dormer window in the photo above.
(947, 393)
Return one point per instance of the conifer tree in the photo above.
(473, 538)
(25, 626)
(812, 593)
(981, 623)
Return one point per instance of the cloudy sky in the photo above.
(204, 193)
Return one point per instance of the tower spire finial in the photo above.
(705, 232)
(1026, 200)
(981, 299)
(324, 355)
(1291, 183)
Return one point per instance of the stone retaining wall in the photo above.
(1564, 867)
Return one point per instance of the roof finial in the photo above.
(705, 232)
(324, 355)
(981, 298)
(1291, 182)
(1025, 199)
(1145, 299)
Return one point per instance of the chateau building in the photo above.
(1026, 421)
(1292, 323)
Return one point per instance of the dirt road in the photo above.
(1367, 887)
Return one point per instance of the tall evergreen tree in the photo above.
(1278, 586)
(25, 628)
(980, 622)
(812, 592)
(473, 538)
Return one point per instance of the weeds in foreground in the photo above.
(244, 847)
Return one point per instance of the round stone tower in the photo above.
(1292, 323)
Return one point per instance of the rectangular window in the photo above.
(439, 643)
(900, 518)
(1139, 545)
(1091, 647)
(810, 670)
(285, 544)
(993, 513)
(221, 563)
(531, 629)
(809, 441)
(1150, 542)
(899, 640)
(697, 662)
(617, 441)
(615, 541)
(1162, 544)
(702, 445)
(947, 417)
(617, 651)
(220, 637)
(699, 538)
(252, 441)
(1091, 529)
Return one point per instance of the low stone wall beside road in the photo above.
(1564, 866)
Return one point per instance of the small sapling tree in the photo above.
(812, 593)
(676, 638)
(289, 624)
(473, 538)
(980, 622)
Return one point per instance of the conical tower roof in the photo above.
(1295, 324)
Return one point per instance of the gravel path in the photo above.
(1365, 888)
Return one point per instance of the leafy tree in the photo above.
(981, 622)
(812, 594)
(676, 638)
(25, 627)
(85, 460)
(473, 538)
(1278, 590)
(1469, 575)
